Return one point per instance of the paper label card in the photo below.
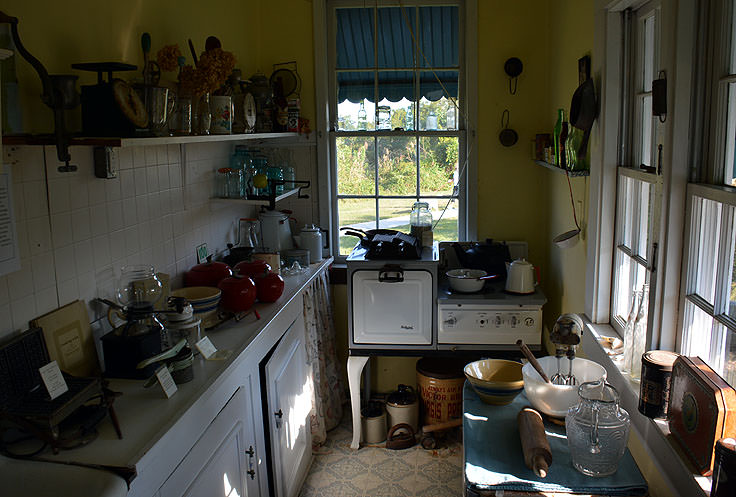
(202, 253)
(206, 347)
(168, 385)
(53, 379)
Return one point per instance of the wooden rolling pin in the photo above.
(534, 445)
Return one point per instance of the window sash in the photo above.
(459, 192)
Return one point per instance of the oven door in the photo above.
(392, 306)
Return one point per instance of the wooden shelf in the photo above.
(162, 140)
(561, 170)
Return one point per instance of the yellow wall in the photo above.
(258, 32)
(572, 38)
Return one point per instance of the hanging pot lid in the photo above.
(404, 396)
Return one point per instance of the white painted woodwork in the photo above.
(289, 402)
(218, 463)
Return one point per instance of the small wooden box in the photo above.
(702, 409)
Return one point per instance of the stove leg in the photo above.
(355, 368)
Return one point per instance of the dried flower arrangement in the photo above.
(209, 74)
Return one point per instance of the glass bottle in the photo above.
(597, 429)
(563, 142)
(204, 114)
(640, 334)
(556, 134)
(362, 117)
(420, 220)
(629, 330)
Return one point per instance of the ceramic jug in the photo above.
(597, 429)
(310, 238)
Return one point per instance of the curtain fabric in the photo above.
(328, 394)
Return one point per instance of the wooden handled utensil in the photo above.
(534, 444)
(533, 360)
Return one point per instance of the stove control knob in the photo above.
(529, 322)
(451, 321)
(514, 321)
(498, 320)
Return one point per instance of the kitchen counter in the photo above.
(158, 432)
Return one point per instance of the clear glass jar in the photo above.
(234, 183)
(629, 330)
(597, 429)
(640, 334)
(260, 167)
(221, 183)
(420, 219)
(138, 286)
(275, 173)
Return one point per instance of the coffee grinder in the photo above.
(141, 335)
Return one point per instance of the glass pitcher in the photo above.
(597, 429)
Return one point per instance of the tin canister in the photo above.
(656, 372)
(724, 469)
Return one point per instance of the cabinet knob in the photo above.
(279, 414)
(252, 474)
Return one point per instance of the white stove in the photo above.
(409, 305)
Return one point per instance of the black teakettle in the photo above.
(489, 256)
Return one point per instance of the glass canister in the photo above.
(260, 168)
(597, 429)
(420, 220)
(275, 173)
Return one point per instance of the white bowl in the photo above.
(466, 280)
(555, 400)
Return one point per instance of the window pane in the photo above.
(648, 72)
(645, 150)
(625, 210)
(646, 196)
(355, 107)
(355, 38)
(729, 363)
(438, 164)
(395, 45)
(731, 265)
(439, 37)
(356, 213)
(356, 170)
(436, 109)
(630, 277)
(393, 213)
(706, 221)
(730, 156)
(697, 332)
(397, 165)
(395, 100)
(445, 225)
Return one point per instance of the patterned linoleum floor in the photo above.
(339, 471)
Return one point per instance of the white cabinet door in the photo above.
(223, 461)
(289, 403)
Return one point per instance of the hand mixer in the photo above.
(566, 335)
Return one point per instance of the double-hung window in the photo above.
(638, 194)
(396, 115)
(708, 302)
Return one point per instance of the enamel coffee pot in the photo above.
(310, 238)
(520, 277)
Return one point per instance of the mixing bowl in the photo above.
(496, 381)
(555, 400)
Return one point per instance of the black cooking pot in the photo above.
(489, 256)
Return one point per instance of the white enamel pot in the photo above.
(468, 280)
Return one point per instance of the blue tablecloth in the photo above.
(494, 460)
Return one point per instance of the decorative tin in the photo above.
(222, 116)
(702, 410)
(724, 470)
(656, 372)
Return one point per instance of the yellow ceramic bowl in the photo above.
(496, 381)
(204, 300)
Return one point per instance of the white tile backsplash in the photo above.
(98, 225)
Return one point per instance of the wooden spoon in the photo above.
(533, 360)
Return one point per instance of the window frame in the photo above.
(326, 108)
(679, 23)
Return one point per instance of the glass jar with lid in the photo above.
(420, 221)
